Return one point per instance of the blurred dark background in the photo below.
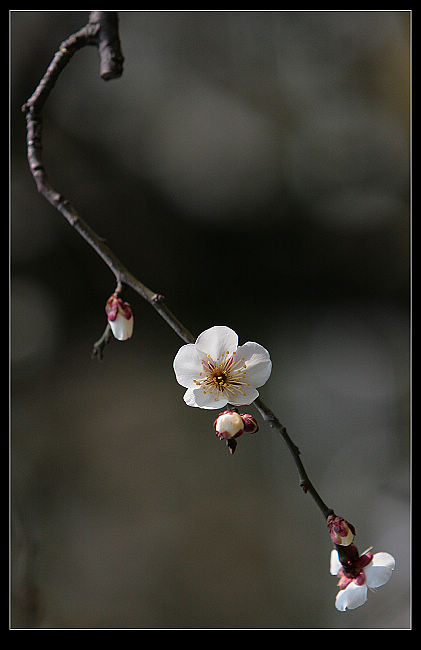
(252, 166)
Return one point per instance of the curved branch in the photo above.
(102, 31)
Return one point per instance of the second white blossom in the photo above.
(365, 571)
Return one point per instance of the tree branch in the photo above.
(102, 31)
(305, 482)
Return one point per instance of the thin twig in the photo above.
(102, 31)
(98, 346)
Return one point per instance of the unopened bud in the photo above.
(250, 423)
(120, 317)
(228, 424)
(341, 531)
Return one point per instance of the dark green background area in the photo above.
(254, 168)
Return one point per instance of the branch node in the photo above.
(304, 486)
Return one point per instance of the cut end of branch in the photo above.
(110, 71)
(109, 47)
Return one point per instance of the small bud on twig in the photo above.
(341, 531)
(120, 317)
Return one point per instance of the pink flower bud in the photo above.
(120, 317)
(341, 531)
(228, 424)
(250, 423)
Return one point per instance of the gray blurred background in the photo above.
(252, 166)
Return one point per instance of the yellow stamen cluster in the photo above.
(223, 377)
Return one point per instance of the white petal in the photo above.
(247, 395)
(121, 327)
(203, 400)
(187, 365)
(257, 359)
(352, 597)
(216, 341)
(383, 559)
(380, 569)
(189, 397)
(335, 565)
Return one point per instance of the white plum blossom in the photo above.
(368, 571)
(217, 371)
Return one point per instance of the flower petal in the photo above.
(187, 365)
(196, 397)
(216, 341)
(379, 571)
(257, 359)
(122, 327)
(247, 395)
(335, 565)
(352, 597)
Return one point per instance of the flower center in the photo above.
(346, 578)
(223, 377)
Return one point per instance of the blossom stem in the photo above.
(102, 31)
